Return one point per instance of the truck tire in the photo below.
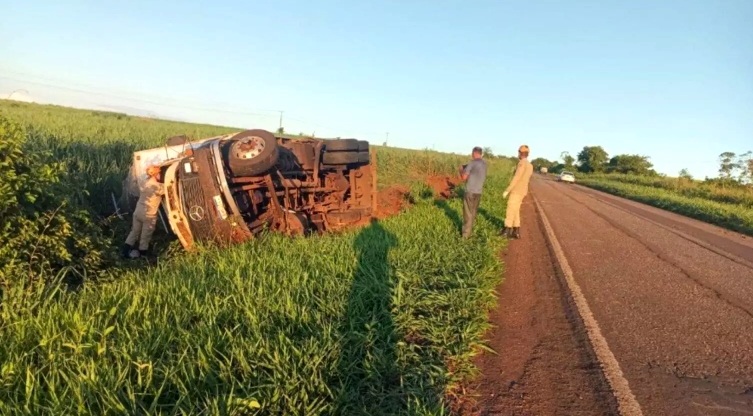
(254, 163)
(343, 145)
(340, 158)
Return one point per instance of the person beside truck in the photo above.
(145, 215)
(474, 173)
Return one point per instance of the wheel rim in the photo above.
(249, 147)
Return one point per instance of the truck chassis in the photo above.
(229, 188)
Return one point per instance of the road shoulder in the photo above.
(543, 362)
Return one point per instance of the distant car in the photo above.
(566, 177)
(544, 170)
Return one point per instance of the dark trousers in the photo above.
(470, 209)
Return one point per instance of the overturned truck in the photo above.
(228, 188)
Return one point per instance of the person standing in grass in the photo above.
(474, 173)
(145, 215)
(517, 191)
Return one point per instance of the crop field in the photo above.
(731, 208)
(383, 319)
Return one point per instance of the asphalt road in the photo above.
(673, 297)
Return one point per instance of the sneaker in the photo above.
(134, 254)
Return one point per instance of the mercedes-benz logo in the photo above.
(196, 213)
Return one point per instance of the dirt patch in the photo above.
(391, 201)
(443, 186)
(543, 364)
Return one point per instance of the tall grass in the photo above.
(686, 201)
(398, 165)
(379, 320)
(97, 146)
(739, 195)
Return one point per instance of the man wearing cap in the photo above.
(474, 173)
(145, 215)
(517, 191)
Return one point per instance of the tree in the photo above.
(281, 130)
(567, 160)
(567, 163)
(685, 174)
(540, 162)
(592, 159)
(745, 164)
(488, 152)
(727, 165)
(635, 164)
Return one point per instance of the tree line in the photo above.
(733, 168)
(594, 159)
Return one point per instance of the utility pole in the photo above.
(387, 138)
(280, 128)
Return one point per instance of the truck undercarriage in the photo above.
(226, 189)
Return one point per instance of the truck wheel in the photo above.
(340, 158)
(251, 152)
(343, 145)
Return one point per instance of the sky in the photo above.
(672, 80)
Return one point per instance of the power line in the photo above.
(136, 99)
(353, 132)
(119, 93)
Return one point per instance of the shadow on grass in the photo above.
(457, 220)
(496, 222)
(453, 215)
(369, 374)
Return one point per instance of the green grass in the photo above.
(693, 200)
(693, 189)
(97, 148)
(379, 320)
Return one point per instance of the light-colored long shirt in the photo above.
(519, 183)
(150, 198)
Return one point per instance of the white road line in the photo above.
(628, 405)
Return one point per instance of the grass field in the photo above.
(731, 208)
(379, 320)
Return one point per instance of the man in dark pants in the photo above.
(474, 173)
